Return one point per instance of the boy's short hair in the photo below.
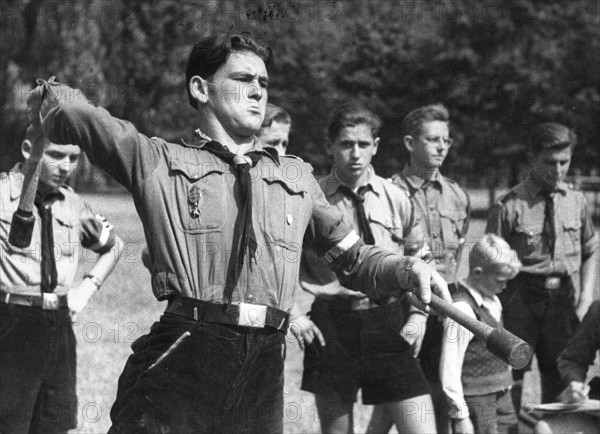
(274, 113)
(551, 136)
(412, 122)
(211, 52)
(350, 115)
(493, 252)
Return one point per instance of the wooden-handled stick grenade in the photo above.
(23, 220)
(499, 341)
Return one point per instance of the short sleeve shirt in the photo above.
(74, 225)
(442, 209)
(518, 217)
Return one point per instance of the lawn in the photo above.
(124, 309)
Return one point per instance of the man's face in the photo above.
(276, 136)
(550, 167)
(493, 279)
(352, 151)
(238, 94)
(430, 146)
(58, 164)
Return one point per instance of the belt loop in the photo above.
(7, 298)
(195, 314)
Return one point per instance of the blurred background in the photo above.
(499, 66)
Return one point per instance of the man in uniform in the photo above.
(224, 220)
(37, 344)
(549, 226)
(364, 345)
(442, 208)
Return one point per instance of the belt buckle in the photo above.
(552, 282)
(50, 301)
(252, 315)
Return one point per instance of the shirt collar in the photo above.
(416, 182)
(535, 188)
(479, 298)
(332, 182)
(200, 139)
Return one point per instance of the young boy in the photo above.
(275, 129)
(365, 344)
(37, 344)
(476, 383)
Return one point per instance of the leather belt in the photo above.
(45, 301)
(243, 314)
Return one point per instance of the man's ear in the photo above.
(328, 146)
(409, 143)
(26, 147)
(375, 145)
(198, 89)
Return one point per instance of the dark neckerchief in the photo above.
(244, 228)
(358, 199)
(48, 262)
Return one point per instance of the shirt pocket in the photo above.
(452, 223)
(572, 237)
(66, 235)
(198, 197)
(528, 240)
(387, 231)
(285, 209)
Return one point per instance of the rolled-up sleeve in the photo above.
(97, 233)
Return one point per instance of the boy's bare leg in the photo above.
(336, 416)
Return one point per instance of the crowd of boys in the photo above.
(214, 361)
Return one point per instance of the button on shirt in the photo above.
(455, 346)
(188, 201)
(74, 225)
(441, 208)
(518, 217)
(389, 213)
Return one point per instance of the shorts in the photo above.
(363, 350)
(38, 370)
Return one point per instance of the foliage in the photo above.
(498, 66)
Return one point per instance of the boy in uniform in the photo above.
(476, 383)
(442, 209)
(360, 344)
(275, 129)
(224, 219)
(549, 226)
(37, 345)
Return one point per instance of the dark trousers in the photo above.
(545, 319)
(37, 370)
(222, 378)
(492, 413)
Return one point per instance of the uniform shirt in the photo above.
(74, 225)
(518, 217)
(442, 208)
(454, 348)
(191, 251)
(389, 213)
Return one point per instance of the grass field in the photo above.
(124, 309)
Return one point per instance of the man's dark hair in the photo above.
(550, 135)
(350, 115)
(412, 122)
(211, 52)
(274, 113)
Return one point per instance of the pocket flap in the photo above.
(195, 171)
